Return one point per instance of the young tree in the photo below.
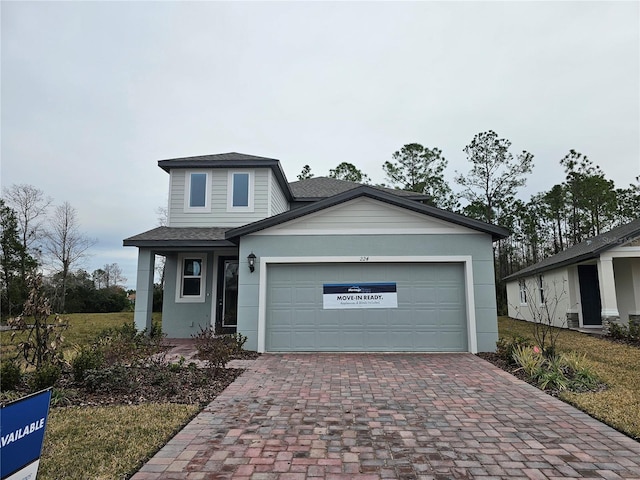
(65, 244)
(495, 175)
(12, 260)
(305, 174)
(349, 172)
(419, 169)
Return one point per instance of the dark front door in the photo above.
(590, 295)
(226, 315)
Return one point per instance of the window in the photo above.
(523, 292)
(240, 191)
(197, 191)
(541, 288)
(191, 278)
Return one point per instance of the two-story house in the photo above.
(315, 265)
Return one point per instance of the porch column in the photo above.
(607, 283)
(144, 290)
(573, 316)
(634, 313)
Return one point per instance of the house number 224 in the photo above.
(364, 259)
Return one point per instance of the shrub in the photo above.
(10, 375)
(114, 378)
(44, 377)
(507, 346)
(88, 358)
(127, 345)
(556, 372)
(529, 359)
(217, 350)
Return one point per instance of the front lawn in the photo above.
(617, 364)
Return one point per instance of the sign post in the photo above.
(22, 426)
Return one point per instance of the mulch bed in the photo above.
(158, 383)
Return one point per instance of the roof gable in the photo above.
(369, 192)
(590, 248)
(365, 215)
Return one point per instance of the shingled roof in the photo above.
(590, 248)
(316, 188)
(163, 237)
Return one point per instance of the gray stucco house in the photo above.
(592, 284)
(315, 265)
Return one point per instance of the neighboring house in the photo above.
(592, 284)
(315, 265)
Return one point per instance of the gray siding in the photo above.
(279, 202)
(218, 216)
(478, 246)
(181, 320)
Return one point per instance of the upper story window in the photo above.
(191, 278)
(240, 191)
(197, 192)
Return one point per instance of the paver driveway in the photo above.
(342, 416)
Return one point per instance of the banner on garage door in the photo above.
(359, 295)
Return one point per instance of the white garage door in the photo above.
(430, 315)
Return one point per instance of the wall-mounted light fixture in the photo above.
(251, 258)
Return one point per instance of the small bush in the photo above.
(88, 358)
(505, 347)
(529, 359)
(114, 378)
(10, 375)
(217, 350)
(556, 372)
(44, 377)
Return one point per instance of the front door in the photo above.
(226, 313)
(590, 295)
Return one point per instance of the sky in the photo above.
(93, 94)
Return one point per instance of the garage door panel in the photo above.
(430, 316)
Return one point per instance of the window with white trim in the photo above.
(541, 288)
(240, 191)
(191, 278)
(523, 291)
(196, 191)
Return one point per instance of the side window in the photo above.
(240, 191)
(523, 292)
(197, 191)
(191, 278)
(541, 288)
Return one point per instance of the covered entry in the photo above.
(429, 313)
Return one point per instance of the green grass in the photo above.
(616, 364)
(103, 442)
(83, 327)
(107, 442)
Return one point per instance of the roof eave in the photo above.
(177, 244)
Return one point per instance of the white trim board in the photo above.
(466, 260)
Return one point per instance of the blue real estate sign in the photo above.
(359, 295)
(22, 425)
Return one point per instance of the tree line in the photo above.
(36, 236)
(581, 205)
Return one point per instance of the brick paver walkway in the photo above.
(333, 416)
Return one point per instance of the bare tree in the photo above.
(65, 244)
(30, 205)
(113, 275)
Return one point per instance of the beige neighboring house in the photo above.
(589, 285)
